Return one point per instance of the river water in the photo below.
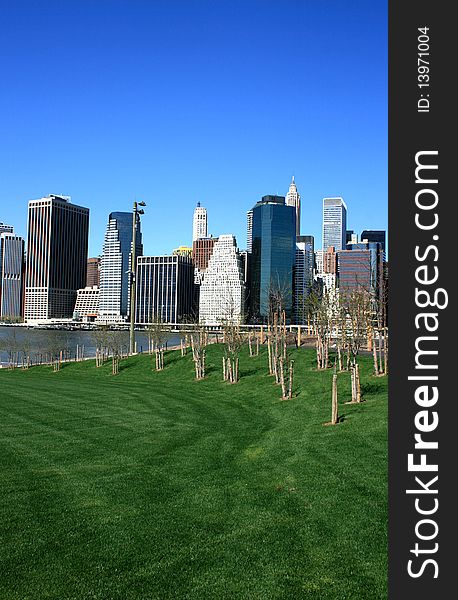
(37, 341)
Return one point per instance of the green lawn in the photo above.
(151, 485)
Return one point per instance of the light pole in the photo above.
(135, 216)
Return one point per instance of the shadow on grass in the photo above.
(371, 387)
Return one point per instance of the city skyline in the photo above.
(200, 120)
(172, 242)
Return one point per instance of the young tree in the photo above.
(54, 349)
(233, 342)
(356, 314)
(184, 344)
(25, 347)
(101, 342)
(253, 343)
(9, 344)
(379, 330)
(322, 311)
(334, 399)
(280, 363)
(232, 338)
(158, 334)
(199, 340)
(116, 340)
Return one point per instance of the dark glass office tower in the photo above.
(273, 255)
(372, 235)
(165, 288)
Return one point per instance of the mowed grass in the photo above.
(151, 485)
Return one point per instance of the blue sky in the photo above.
(179, 102)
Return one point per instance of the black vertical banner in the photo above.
(423, 399)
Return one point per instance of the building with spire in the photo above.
(222, 293)
(199, 223)
(293, 198)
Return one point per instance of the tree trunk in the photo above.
(385, 350)
(282, 378)
(374, 354)
(353, 383)
(358, 383)
(229, 368)
(269, 352)
(334, 408)
(291, 374)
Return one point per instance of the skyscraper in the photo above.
(372, 235)
(222, 293)
(6, 228)
(249, 230)
(165, 288)
(87, 304)
(115, 267)
(334, 223)
(202, 249)
(330, 261)
(199, 223)
(362, 265)
(293, 199)
(303, 275)
(273, 255)
(93, 272)
(56, 257)
(355, 272)
(11, 274)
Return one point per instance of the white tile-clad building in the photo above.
(199, 223)
(11, 273)
(222, 293)
(87, 304)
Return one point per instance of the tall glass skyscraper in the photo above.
(378, 235)
(334, 223)
(56, 257)
(273, 255)
(249, 230)
(115, 267)
(165, 289)
(11, 274)
(303, 275)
